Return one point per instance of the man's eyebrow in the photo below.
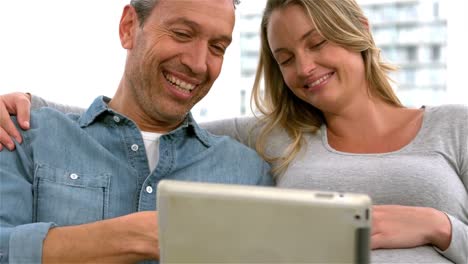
(302, 38)
(195, 26)
(224, 38)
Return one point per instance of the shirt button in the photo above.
(149, 189)
(116, 119)
(73, 176)
(135, 147)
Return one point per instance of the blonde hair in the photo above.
(339, 21)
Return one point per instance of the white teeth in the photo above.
(319, 81)
(179, 83)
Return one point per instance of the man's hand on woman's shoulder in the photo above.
(13, 104)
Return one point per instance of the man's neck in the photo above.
(125, 104)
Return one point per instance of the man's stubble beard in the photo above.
(145, 88)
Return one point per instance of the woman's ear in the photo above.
(364, 22)
(128, 26)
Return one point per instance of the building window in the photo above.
(435, 53)
(243, 108)
(411, 53)
(409, 78)
(436, 10)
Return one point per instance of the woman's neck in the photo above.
(373, 127)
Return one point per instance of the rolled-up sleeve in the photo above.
(21, 239)
(26, 242)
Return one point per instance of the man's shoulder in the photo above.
(243, 161)
(50, 122)
(45, 115)
(48, 127)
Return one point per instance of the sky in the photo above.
(68, 51)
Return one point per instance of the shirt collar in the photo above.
(190, 125)
(100, 106)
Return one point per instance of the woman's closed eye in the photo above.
(285, 61)
(283, 57)
(315, 46)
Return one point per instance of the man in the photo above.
(81, 188)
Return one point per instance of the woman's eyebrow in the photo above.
(302, 38)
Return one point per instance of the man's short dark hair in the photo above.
(143, 8)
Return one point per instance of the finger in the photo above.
(377, 241)
(23, 109)
(5, 140)
(9, 128)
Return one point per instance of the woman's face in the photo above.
(317, 71)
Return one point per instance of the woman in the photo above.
(330, 120)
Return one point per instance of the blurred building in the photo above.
(412, 34)
(248, 26)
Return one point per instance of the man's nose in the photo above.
(196, 58)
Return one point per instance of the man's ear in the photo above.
(128, 26)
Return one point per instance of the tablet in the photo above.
(221, 223)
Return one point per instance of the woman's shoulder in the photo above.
(227, 126)
(447, 118)
(448, 110)
(239, 128)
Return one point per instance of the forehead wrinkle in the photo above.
(196, 27)
(183, 20)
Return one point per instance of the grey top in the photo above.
(431, 171)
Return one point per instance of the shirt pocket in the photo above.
(67, 197)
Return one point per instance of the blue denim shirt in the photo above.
(74, 169)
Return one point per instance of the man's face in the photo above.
(177, 55)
